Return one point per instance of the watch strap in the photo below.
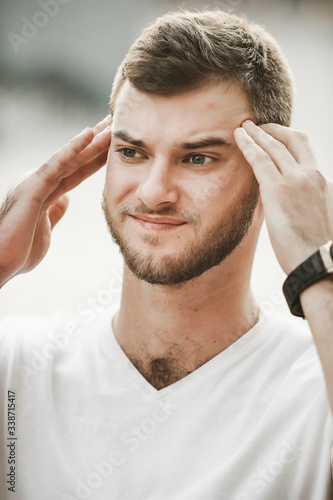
(316, 267)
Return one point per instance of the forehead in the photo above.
(219, 108)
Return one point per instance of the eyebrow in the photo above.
(125, 136)
(205, 143)
(208, 141)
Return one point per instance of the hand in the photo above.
(297, 199)
(39, 201)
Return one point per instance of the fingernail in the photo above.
(242, 131)
(248, 122)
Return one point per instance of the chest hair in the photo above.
(161, 372)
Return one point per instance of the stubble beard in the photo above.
(199, 255)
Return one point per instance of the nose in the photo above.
(158, 187)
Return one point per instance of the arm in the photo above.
(317, 303)
(39, 201)
(298, 206)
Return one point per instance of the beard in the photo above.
(200, 255)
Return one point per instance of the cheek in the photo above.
(220, 188)
(212, 188)
(119, 180)
(205, 191)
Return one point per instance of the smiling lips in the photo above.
(157, 222)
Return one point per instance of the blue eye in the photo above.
(200, 159)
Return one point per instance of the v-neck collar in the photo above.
(191, 380)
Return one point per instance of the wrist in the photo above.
(317, 289)
(316, 303)
(317, 267)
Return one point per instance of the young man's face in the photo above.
(179, 196)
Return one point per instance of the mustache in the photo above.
(170, 211)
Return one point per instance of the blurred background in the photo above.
(57, 62)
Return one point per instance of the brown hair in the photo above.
(184, 51)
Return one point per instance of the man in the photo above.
(188, 392)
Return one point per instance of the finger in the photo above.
(79, 176)
(60, 164)
(262, 165)
(277, 151)
(100, 143)
(58, 209)
(86, 170)
(66, 154)
(30, 194)
(92, 159)
(295, 141)
(87, 152)
(99, 127)
(89, 156)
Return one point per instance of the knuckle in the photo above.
(302, 136)
(287, 188)
(74, 147)
(47, 174)
(265, 138)
(264, 157)
(301, 179)
(306, 182)
(250, 151)
(44, 171)
(253, 152)
(321, 179)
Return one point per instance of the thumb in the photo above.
(58, 209)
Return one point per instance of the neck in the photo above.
(169, 331)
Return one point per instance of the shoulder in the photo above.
(286, 345)
(33, 330)
(49, 345)
(50, 335)
(286, 329)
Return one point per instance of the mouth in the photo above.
(157, 222)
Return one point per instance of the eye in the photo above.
(199, 159)
(129, 153)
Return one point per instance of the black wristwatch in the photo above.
(315, 268)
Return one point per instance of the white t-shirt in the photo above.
(253, 423)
